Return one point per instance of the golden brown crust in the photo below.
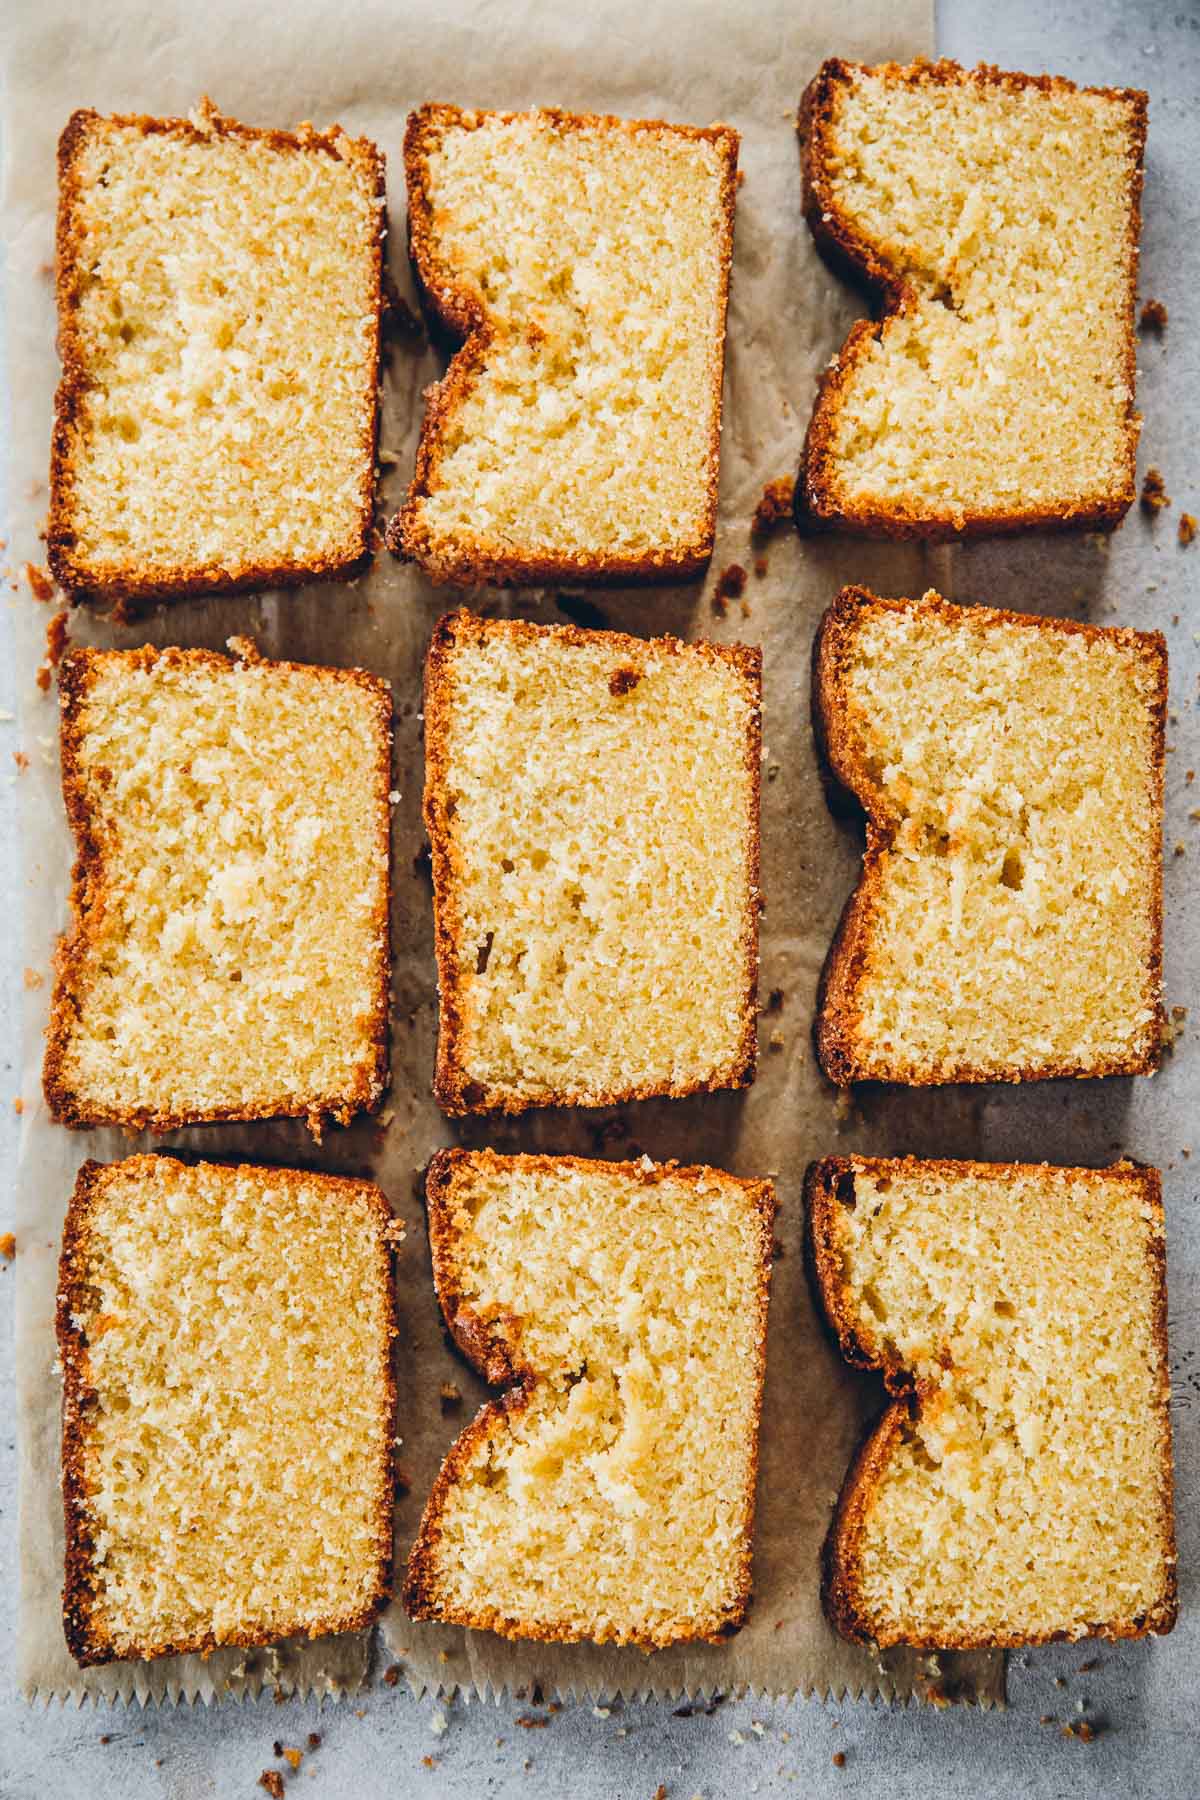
(453, 1089)
(879, 266)
(828, 1190)
(132, 584)
(86, 1637)
(493, 1348)
(89, 886)
(838, 1007)
(458, 314)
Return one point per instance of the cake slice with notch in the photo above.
(582, 264)
(608, 1493)
(996, 216)
(1007, 924)
(1018, 1488)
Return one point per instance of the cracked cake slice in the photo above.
(228, 1406)
(997, 217)
(219, 303)
(1007, 924)
(582, 264)
(228, 954)
(608, 1492)
(1018, 1487)
(592, 806)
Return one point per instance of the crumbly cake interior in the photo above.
(237, 1339)
(617, 1504)
(1016, 920)
(601, 893)
(1005, 386)
(213, 433)
(234, 949)
(1030, 1495)
(596, 252)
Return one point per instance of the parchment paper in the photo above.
(366, 66)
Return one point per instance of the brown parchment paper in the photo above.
(366, 66)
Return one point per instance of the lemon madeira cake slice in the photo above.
(1018, 1488)
(1007, 924)
(228, 952)
(219, 299)
(997, 216)
(583, 265)
(228, 1405)
(592, 807)
(608, 1494)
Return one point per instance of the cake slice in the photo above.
(583, 265)
(219, 302)
(228, 950)
(997, 218)
(1018, 1487)
(592, 806)
(608, 1493)
(1007, 924)
(228, 1401)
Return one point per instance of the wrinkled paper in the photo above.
(367, 66)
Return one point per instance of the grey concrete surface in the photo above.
(1145, 1697)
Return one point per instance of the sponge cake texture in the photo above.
(219, 298)
(228, 953)
(583, 265)
(228, 1406)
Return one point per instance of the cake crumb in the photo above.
(57, 637)
(8, 1246)
(392, 1674)
(731, 584)
(292, 1755)
(775, 504)
(839, 1759)
(33, 979)
(1187, 528)
(21, 760)
(41, 582)
(1153, 317)
(451, 1399)
(272, 1780)
(1154, 492)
